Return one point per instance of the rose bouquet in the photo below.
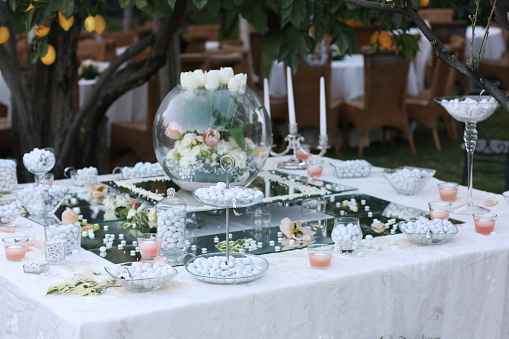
(140, 218)
(209, 115)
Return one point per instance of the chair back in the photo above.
(385, 81)
(192, 61)
(363, 34)
(122, 38)
(306, 89)
(98, 50)
(218, 60)
(436, 14)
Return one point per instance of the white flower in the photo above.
(131, 213)
(199, 76)
(188, 81)
(225, 74)
(238, 83)
(152, 216)
(212, 80)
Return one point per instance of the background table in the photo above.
(455, 290)
(495, 45)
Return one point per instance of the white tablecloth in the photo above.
(495, 45)
(456, 290)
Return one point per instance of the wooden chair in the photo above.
(98, 50)
(424, 109)
(385, 85)
(191, 61)
(243, 65)
(499, 68)
(363, 34)
(436, 14)
(197, 35)
(122, 38)
(306, 89)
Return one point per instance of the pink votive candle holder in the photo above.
(303, 152)
(15, 247)
(320, 255)
(485, 222)
(314, 167)
(439, 209)
(150, 245)
(448, 191)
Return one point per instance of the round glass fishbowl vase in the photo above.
(194, 128)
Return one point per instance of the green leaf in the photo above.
(256, 15)
(199, 3)
(68, 8)
(141, 3)
(125, 3)
(409, 45)
(172, 3)
(237, 133)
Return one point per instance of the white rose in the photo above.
(199, 77)
(225, 74)
(212, 80)
(131, 213)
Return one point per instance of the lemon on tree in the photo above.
(50, 56)
(4, 35)
(423, 3)
(89, 24)
(383, 38)
(65, 23)
(100, 24)
(41, 30)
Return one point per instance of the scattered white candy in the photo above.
(361, 254)
(216, 239)
(277, 248)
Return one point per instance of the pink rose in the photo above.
(132, 204)
(97, 193)
(69, 216)
(174, 131)
(211, 137)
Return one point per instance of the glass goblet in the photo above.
(39, 162)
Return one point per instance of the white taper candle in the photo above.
(291, 102)
(266, 95)
(323, 115)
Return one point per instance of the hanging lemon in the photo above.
(385, 40)
(50, 56)
(423, 3)
(373, 38)
(100, 24)
(29, 7)
(89, 24)
(65, 23)
(41, 30)
(4, 35)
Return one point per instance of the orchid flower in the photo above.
(211, 137)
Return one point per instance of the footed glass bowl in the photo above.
(123, 274)
(41, 199)
(426, 237)
(203, 273)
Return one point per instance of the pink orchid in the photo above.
(7, 229)
(97, 192)
(295, 230)
(132, 203)
(174, 131)
(211, 137)
(69, 216)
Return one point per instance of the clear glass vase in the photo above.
(194, 128)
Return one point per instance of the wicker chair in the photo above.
(197, 35)
(306, 88)
(385, 85)
(424, 109)
(191, 61)
(122, 38)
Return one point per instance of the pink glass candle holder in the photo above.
(315, 167)
(448, 191)
(15, 248)
(439, 209)
(303, 155)
(320, 255)
(485, 222)
(150, 245)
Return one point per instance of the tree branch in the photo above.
(441, 52)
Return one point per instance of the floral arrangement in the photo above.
(88, 70)
(140, 218)
(96, 193)
(213, 98)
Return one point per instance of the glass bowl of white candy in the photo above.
(408, 180)
(217, 269)
(220, 196)
(41, 199)
(352, 168)
(142, 276)
(423, 231)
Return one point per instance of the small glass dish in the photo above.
(125, 276)
(408, 180)
(431, 236)
(42, 199)
(352, 169)
(229, 202)
(35, 267)
(261, 263)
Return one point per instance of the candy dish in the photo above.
(424, 232)
(220, 196)
(352, 169)
(142, 276)
(408, 180)
(242, 268)
(42, 199)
